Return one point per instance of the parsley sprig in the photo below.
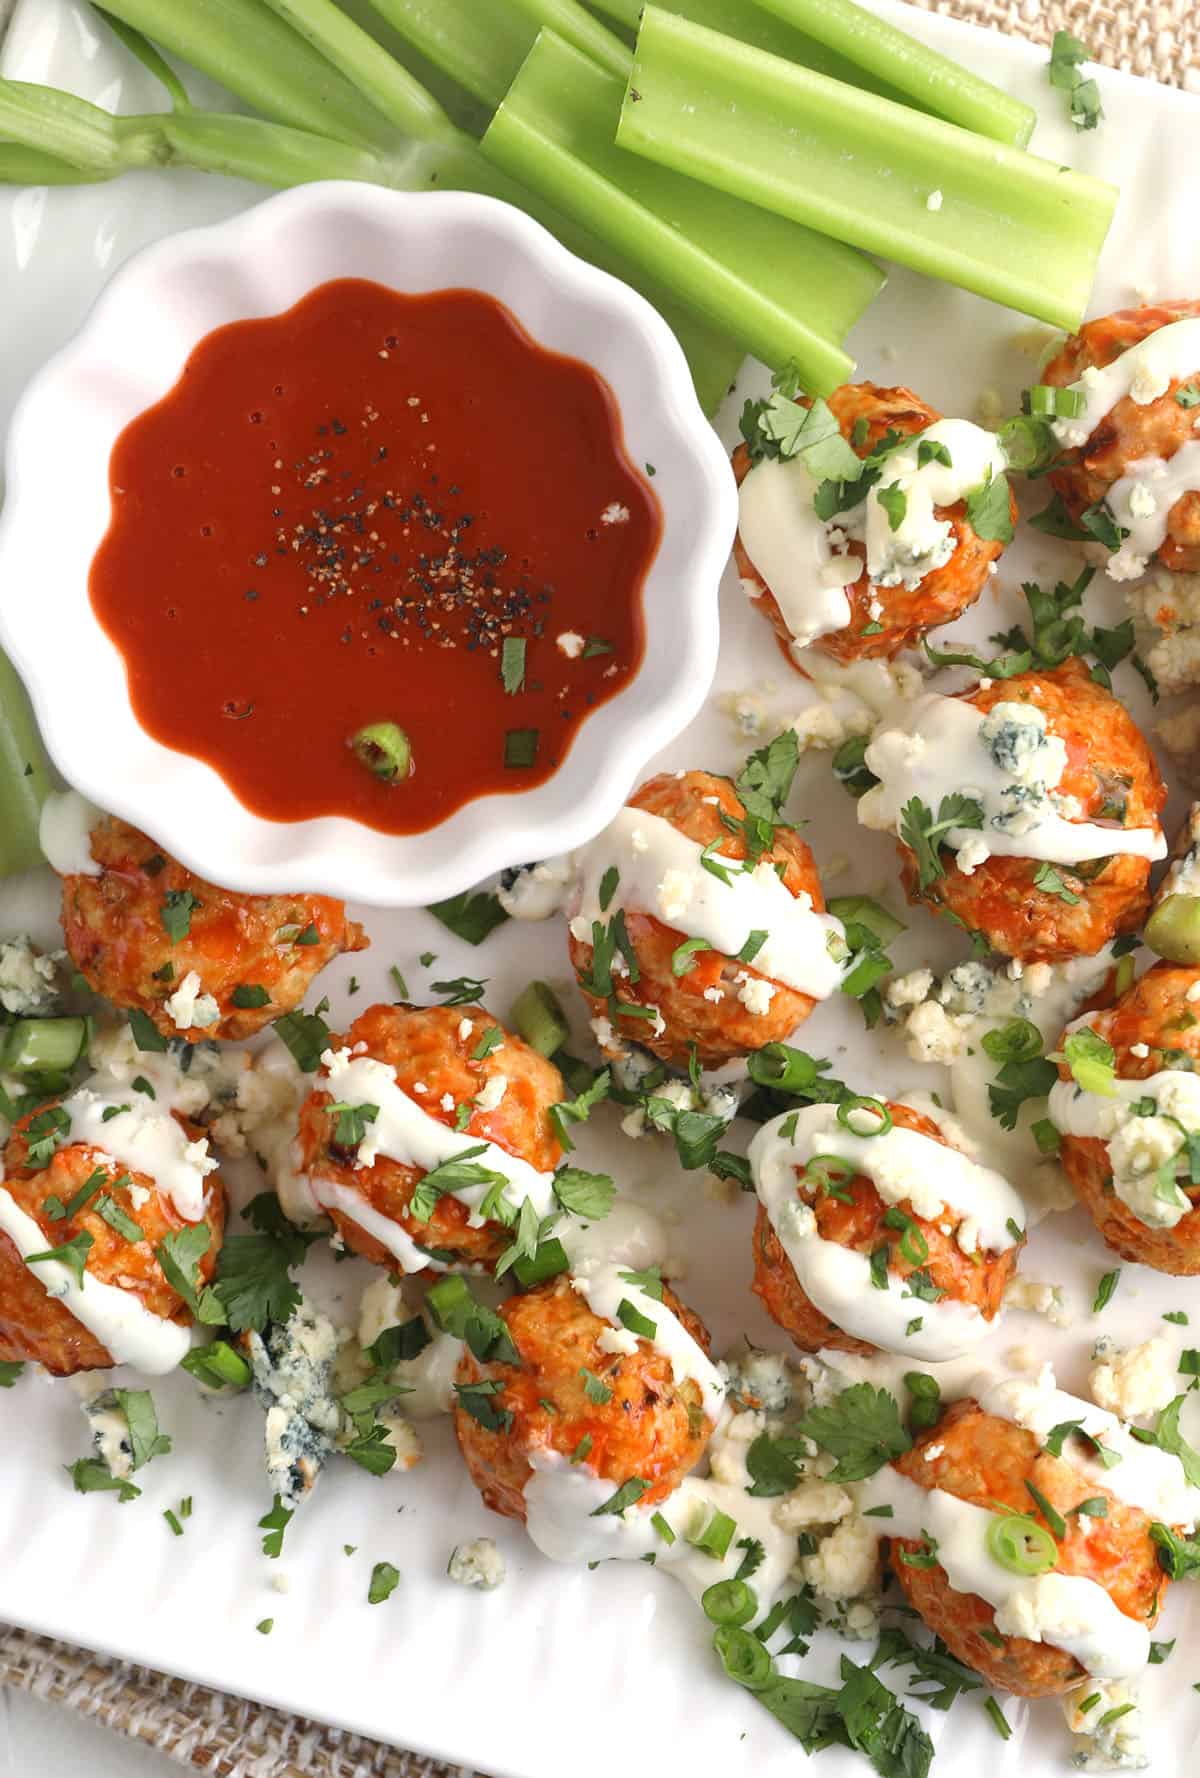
(1067, 54)
(781, 427)
(922, 831)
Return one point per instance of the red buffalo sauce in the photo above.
(339, 516)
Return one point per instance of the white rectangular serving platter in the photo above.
(591, 1673)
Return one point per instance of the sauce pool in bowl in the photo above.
(376, 508)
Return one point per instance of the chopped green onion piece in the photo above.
(520, 746)
(383, 747)
(43, 1046)
(539, 1018)
(729, 1602)
(714, 1540)
(1021, 1545)
(1000, 1722)
(1047, 402)
(1173, 929)
(743, 1656)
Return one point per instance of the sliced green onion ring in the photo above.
(1029, 444)
(1021, 1545)
(826, 1171)
(913, 1244)
(1049, 402)
(729, 1602)
(875, 1108)
(743, 1657)
(383, 747)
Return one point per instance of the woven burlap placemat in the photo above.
(229, 1737)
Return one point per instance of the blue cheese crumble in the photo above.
(110, 1434)
(477, 1564)
(292, 1365)
(30, 980)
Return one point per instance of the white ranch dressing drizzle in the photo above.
(801, 557)
(143, 1137)
(1137, 1146)
(1141, 502)
(1047, 996)
(936, 748)
(1143, 372)
(330, 1194)
(561, 1499)
(65, 833)
(793, 550)
(1142, 499)
(660, 873)
(904, 1166)
(603, 1289)
(404, 1131)
(117, 1318)
(1146, 1477)
(1066, 1611)
(921, 542)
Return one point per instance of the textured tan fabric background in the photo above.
(229, 1737)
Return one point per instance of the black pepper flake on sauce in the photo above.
(393, 583)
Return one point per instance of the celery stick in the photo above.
(269, 154)
(1020, 230)
(356, 55)
(782, 295)
(261, 59)
(750, 24)
(924, 78)
(20, 165)
(148, 56)
(845, 42)
(26, 776)
(482, 43)
(41, 117)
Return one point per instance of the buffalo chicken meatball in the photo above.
(679, 942)
(1027, 809)
(1128, 1108)
(1131, 450)
(201, 962)
(860, 1220)
(403, 1092)
(112, 1217)
(809, 576)
(574, 1388)
(995, 1464)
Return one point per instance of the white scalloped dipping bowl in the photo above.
(130, 352)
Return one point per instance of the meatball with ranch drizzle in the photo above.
(873, 1232)
(1133, 448)
(103, 1177)
(596, 1384)
(1128, 1107)
(870, 580)
(990, 1547)
(1027, 808)
(672, 920)
(200, 961)
(405, 1091)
